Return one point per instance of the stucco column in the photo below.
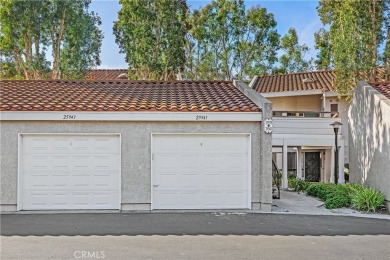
(341, 179)
(332, 162)
(266, 161)
(284, 169)
(265, 173)
(299, 165)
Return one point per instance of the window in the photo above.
(292, 164)
(334, 109)
(277, 158)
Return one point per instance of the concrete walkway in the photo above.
(299, 203)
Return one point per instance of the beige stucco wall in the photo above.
(136, 150)
(369, 139)
(297, 103)
(315, 103)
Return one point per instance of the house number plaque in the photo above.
(268, 126)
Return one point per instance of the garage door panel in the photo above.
(82, 162)
(35, 162)
(77, 200)
(236, 198)
(165, 162)
(70, 162)
(81, 180)
(36, 180)
(166, 199)
(204, 171)
(71, 144)
(235, 181)
(60, 162)
(196, 199)
(72, 173)
(37, 199)
(36, 145)
(60, 180)
(190, 180)
(165, 145)
(225, 181)
(60, 199)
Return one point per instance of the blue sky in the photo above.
(301, 15)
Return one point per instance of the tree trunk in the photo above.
(387, 51)
(20, 63)
(374, 46)
(37, 72)
(56, 39)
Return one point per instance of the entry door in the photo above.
(69, 172)
(200, 171)
(312, 166)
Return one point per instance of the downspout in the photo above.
(323, 102)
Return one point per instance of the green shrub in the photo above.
(338, 198)
(367, 199)
(358, 196)
(320, 190)
(292, 182)
(301, 185)
(354, 188)
(297, 184)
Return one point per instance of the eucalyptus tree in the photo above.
(152, 35)
(22, 40)
(357, 30)
(293, 57)
(30, 28)
(226, 40)
(324, 55)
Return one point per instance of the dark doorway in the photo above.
(312, 166)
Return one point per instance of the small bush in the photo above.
(297, 184)
(358, 196)
(292, 182)
(338, 198)
(301, 185)
(367, 199)
(354, 188)
(320, 190)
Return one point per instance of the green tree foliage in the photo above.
(152, 35)
(30, 28)
(227, 41)
(386, 52)
(8, 68)
(356, 33)
(293, 57)
(322, 44)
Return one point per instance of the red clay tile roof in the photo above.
(382, 87)
(315, 80)
(105, 74)
(186, 96)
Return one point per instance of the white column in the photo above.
(285, 177)
(332, 162)
(341, 179)
(299, 164)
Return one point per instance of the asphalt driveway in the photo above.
(189, 224)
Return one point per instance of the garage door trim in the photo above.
(249, 175)
(19, 180)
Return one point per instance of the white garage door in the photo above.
(69, 172)
(200, 171)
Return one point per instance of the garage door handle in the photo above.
(155, 185)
